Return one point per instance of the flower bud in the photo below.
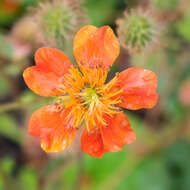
(58, 21)
(184, 92)
(136, 30)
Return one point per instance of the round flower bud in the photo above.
(136, 30)
(58, 21)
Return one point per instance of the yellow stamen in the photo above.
(88, 97)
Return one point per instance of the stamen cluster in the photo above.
(88, 96)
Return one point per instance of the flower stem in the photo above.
(10, 106)
(5, 178)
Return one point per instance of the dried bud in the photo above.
(25, 30)
(58, 21)
(184, 93)
(13, 49)
(136, 30)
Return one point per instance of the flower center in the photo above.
(88, 97)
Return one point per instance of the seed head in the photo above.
(58, 21)
(136, 30)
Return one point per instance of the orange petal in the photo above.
(45, 78)
(96, 47)
(117, 133)
(53, 60)
(139, 86)
(91, 143)
(41, 82)
(49, 125)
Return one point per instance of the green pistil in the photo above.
(90, 95)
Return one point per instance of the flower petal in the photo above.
(91, 143)
(49, 125)
(139, 86)
(41, 82)
(96, 47)
(46, 77)
(53, 60)
(117, 133)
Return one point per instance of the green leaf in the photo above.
(150, 175)
(27, 179)
(9, 128)
(4, 86)
(8, 165)
(184, 26)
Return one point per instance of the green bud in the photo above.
(58, 21)
(136, 30)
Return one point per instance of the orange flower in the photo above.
(83, 97)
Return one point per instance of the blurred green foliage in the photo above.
(6, 49)
(169, 5)
(4, 86)
(103, 12)
(183, 26)
(9, 128)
